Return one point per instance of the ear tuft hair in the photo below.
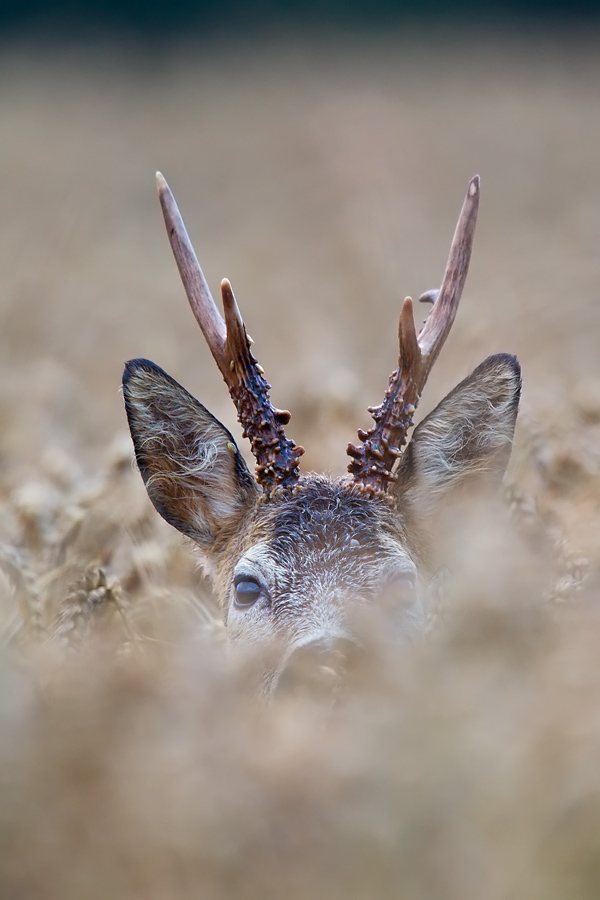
(190, 464)
(466, 439)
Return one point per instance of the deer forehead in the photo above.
(325, 537)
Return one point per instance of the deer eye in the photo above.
(398, 591)
(247, 590)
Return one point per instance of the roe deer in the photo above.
(294, 558)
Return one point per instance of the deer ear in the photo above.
(466, 440)
(191, 466)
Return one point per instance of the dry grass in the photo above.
(325, 184)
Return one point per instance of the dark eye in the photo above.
(247, 590)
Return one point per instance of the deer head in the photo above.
(299, 561)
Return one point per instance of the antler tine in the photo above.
(198, 293)
(372, 464)
(440, 320)
(277, 457)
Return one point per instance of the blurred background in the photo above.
(236, 16)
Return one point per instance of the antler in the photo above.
(276, 456)
(372, 464)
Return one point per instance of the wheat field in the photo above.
(324, 179)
